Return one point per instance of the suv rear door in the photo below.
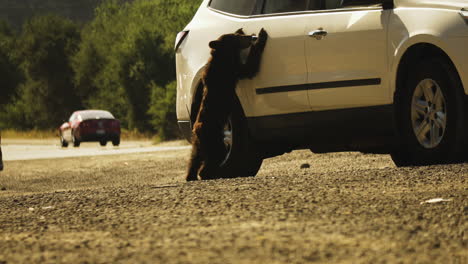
(346, 55)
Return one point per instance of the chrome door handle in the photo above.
(318, 34)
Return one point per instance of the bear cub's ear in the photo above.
(214, 44)
(240, 31)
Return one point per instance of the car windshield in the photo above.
(96, 114)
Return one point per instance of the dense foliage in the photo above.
(46, 46)
(18, 11)
(122, 61)
(9, 67)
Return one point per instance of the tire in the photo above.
(103, 143)
(76, 142)
(116, 141)
(430, 115)
(242, 159)
(1, 158)
(63, 142)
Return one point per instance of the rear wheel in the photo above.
(430, 115)
(241, 158)
(103, 143)
(63, 142)
(116, 141)
(1, 158)
(76, 142)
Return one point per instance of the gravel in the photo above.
(301, 208)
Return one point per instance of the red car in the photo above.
(90, 125)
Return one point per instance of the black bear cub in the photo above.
(223, 71)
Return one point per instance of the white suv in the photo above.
(380, 76)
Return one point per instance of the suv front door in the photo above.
(283, 63)
(346, 51)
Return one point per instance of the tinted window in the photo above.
(333, 4)
(281, 6)
(349, 3)
(315, 5)
(86, 115)
(238, 7)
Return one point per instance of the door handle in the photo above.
(318, 34)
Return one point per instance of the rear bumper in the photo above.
(99, 137)
(186, 129)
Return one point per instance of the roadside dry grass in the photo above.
(132, 135)
(30, 134)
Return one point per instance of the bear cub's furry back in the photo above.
(220, 78)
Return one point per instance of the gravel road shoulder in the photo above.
(136, 208)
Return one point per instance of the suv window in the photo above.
(238, 7)
(281, 6)
(315, 5)
(333, 4)
(361, 2)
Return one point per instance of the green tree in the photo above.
(125, 52)
(45, 47)
(122, 61)
(97, 63)
(9, 67)
(142, 68)
(163, 111)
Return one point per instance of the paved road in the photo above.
(50, 149)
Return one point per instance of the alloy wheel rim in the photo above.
(429, 113)
(227, 139)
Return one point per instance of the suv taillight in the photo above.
(180, 38)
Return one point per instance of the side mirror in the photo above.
(388, 4)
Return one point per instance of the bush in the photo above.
(163, 111)
(127, 51)
(9, 67)
(45, 47)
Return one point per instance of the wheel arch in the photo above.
(412, 54)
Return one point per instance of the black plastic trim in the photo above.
(325, 131)
(98, 137)
(388, 4)
(324, 85)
